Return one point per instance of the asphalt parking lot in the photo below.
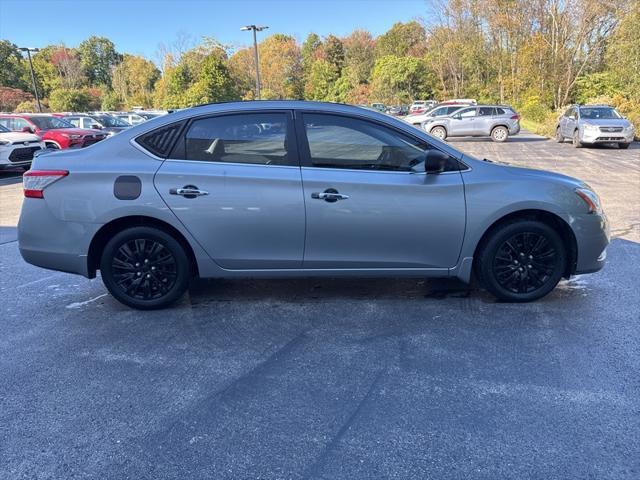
(331, 378)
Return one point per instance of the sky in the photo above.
(139, 26)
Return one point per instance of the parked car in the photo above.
(348, 192)
(495, 121)
(130, 118)
(379, 107)
(397, 110)
(56, 132)
(107, 123)
(422, 105)
(17, 148)
(591, 124)
(417, 118)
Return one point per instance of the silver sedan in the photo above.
(273, 189)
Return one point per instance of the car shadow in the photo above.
(8, 234)
(515, 139)
(206, 291)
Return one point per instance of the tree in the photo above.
(403, 39)
(280, 68)
(400, 79)
(309, 48)
(320, 81)
(359, 48)
(69, 100)
(13, 71)
(98, 56)
(133, 81)
(623, 51)
(334, 52)
(68, 67)
(47, 76)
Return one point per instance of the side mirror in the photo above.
(457, 116)
(434, 162)
(28, 130)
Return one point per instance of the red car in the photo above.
(56, 132)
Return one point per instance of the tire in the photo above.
(439, 132)
(623, 146)
(145, 268)
(559, 137)
(499, 134)
(521, 261)
(53, 146)
(576, 140)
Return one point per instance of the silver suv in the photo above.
(496, 121)
(591, 124)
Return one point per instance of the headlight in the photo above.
(3, 142)
(588, 126)
(72, 137)
(590, 198)
(630, 128)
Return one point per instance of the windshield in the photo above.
(597, 113)
(4, 129)
(50, 123)
(109, 121)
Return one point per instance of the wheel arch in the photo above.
(109, 229)
(544, 216)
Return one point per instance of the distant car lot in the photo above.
(331, 378)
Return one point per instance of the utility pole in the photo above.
(256, 28)
(33, 76)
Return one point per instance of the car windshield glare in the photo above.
(597, 113)
(50, 123)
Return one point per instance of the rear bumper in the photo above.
(48, 242)
(592, 237)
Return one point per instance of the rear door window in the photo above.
(254, 138)
(486, 111)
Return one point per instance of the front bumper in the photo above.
(592, 237)
(596, 136)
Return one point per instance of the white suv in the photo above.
(17, 148)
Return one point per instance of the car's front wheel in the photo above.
(576, 140)
(559, 137)
(145, 268)
(522, 261)
(499, 134)
(439, 132)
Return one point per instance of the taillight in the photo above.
(515, 117)
(35, 181)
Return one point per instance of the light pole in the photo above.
(256, 28)
(33, 76)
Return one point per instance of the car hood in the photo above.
(607, 122)
(18, 137)
(533, 173)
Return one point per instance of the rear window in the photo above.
(160, 141)
(500, 111)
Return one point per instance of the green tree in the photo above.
(623, 51)
(320, 82)
(309, 48)
(401, 79)
(334, 52)
(98, 56)
(69, 100)
(13, 69)
(403, 39)
(47, 78)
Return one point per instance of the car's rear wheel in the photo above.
(145, 268)
(559, 137)
(576, 140)
(439, 132)
(623, 146)
(499, 134)
(522, 261)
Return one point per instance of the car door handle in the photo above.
(188, 191)
(329, 195)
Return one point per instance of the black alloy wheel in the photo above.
(521, 261)
(145, 268)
